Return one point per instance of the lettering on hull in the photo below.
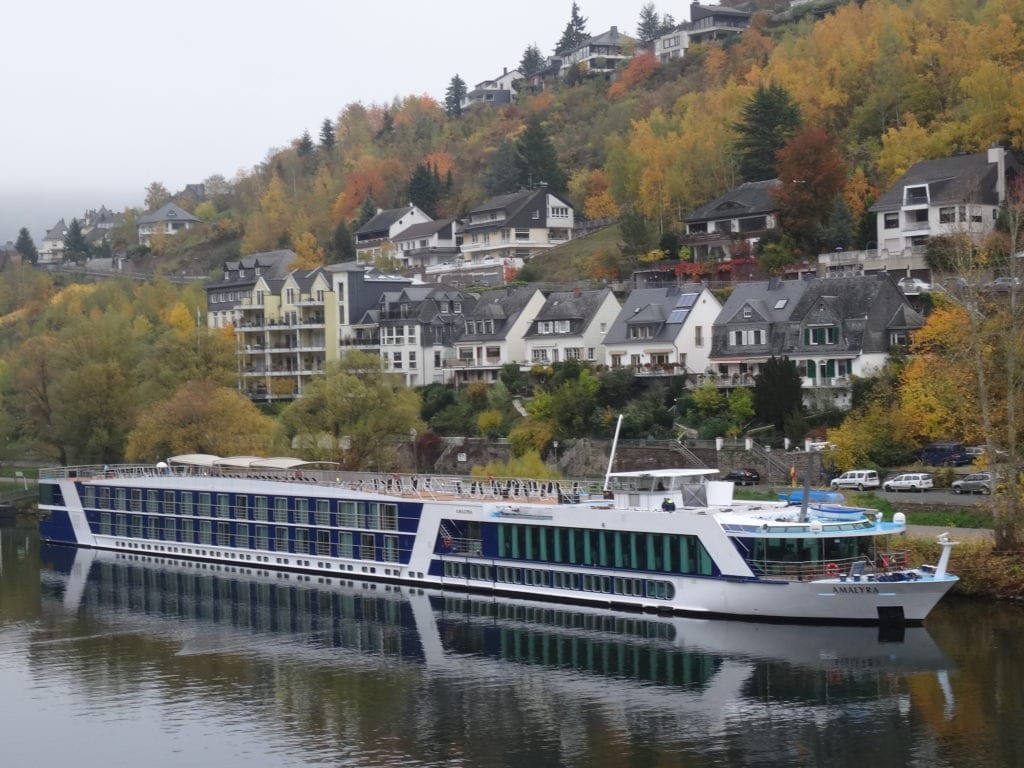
(855, 590)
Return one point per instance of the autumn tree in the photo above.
(156, 195)
(812, 174)
(201, 417)
(575, 31)
(454, 96)
(768, 121)
(26, 247)
(532, 61)
(354, 414)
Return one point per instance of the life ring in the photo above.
(831, 570)
(447, 541)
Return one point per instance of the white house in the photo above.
(572, 325)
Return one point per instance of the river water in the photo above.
(108, 659)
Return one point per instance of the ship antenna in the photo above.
(611, 457)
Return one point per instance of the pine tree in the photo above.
(367, 212)
(453, 97)
(76, 249)
(649, 26)
(502, 174)
(769, 120)
(327, 139)
(538, 161)
(341, 243)
(532, 61)
(26, 246)
(575, 31)
(778, 391)
(425, 188)
(304, 147)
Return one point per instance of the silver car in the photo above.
(909, 481)
(979, 482)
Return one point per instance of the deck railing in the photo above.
(852, 568)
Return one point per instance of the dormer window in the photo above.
(915, 195)
(747, 313)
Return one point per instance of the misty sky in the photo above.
(101, 98)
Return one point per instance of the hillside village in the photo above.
(522, 248)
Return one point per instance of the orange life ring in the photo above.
(831, 570)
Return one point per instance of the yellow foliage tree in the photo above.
(308, 254)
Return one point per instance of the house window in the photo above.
(915, 195)
(573, 353)
(561, 326)
(747, 313)
(539, 356)
(640, 332)
(947, 215)
(590, 354)
(412, 361)
(698, 336)
(821, 335)
(892, 220)
(544, 328)
(616, 361)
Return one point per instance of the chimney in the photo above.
(997, 155)
(774, 283)
(615, 31)
(504, 70)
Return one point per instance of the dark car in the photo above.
(944, 454)
(744, 476)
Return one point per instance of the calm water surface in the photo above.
(113, 660)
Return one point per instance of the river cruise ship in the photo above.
(668, 540)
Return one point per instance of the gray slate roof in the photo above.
(959, 179)
(423, 229)
(865, 308)
(749, 198)
(167, 212)
(501, 306)
(648, 306)
(579, 307)
(382, 221)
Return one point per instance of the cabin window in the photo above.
(169, 503)
(344, 544)
(105, 524)
(205, 531)
(223, 534)
(187, 531)
(323, 512)
(186, 503)
(262, 537)
(323, 543)
(347, 514)
(223, 505)
(280, 509)
(241, 507)
(136, 500)
(302, 511)
(242, 535)
(367, 547)
(390, 548)
(204, 506)
(281, 539)
(260, 508)
(302, 541)
(121, 525)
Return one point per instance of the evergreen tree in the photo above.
(769, 120)
(367, 212)
(342, 245)
(502, 174)
(26, 246)
(76, 249)
(649, 26)
(425, 188)
(304, 147)
(575, 31)
(532, 61)
(778, 392)
(454, 95)
(538, 161)
(327, 139)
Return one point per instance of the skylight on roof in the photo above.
(781, 303)
(678, 315)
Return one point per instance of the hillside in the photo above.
(875, 87)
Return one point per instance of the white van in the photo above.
(857, 478)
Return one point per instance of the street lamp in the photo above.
(554, 444)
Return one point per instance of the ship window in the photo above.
(223, 505)
(371, 515)
(280, 509)
(323, 512)
(302, 511)
(242, 535)
(89, 496)
(302, 541)
(205, 528)
(344, 544)
(121, 525)
(390, 547)
(223, 534)
(281, 539)
(187, 529)
(204, 506)
(104, 498)
(260, 508)
(136, 500)
(241, 507)
(389, 517)
(323, 543)
(169, 503)
(105, 526)
(367, 547)
(347, 514)
(262, 537)
(186, 503)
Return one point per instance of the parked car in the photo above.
(909, 481)
(979, 482)
(913, 285)
(1004, 284)
(744, 476)
(856, 478)
(944, 454)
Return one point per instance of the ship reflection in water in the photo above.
(389, 675)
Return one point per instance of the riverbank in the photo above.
(984, 573)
